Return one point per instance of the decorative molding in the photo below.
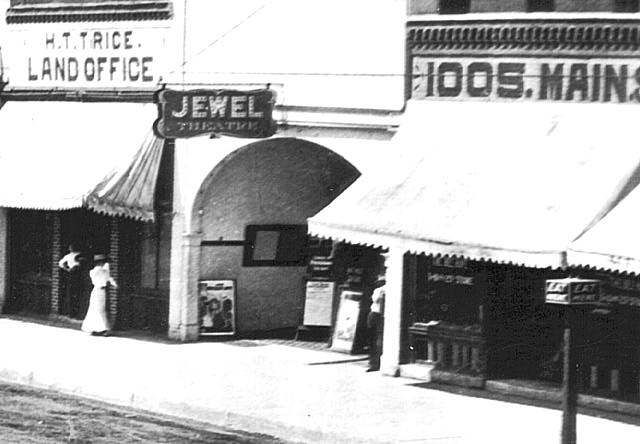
(293, 121)
(78, 95)
(574, 36)
(90, 12)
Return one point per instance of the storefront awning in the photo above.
(62, 155)
(512, 183)
(130, 192)
(611, 241)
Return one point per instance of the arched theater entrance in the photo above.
(251, 213)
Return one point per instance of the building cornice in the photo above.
(117, 10)
(300, 120)
(581, 36)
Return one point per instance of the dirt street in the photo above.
(32, 416)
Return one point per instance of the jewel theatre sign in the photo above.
(183, 114)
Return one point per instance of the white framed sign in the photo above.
(116, 55)
(318, 305)
(572, 291)
(344, 333)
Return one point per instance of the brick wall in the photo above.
(4, 255)
(114, 264)
(584, 5)
(498, 5)
(431, 6)
(56, 255)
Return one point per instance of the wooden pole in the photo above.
(569, 379)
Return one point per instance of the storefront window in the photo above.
(31, 261)
(149, 257)
(275, 245)
(625, 6)
(540, 5)
(31, 252)
(155, 254)
(447, 291)
(454, 6)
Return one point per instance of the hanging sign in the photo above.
(572, 291)
(183, 114)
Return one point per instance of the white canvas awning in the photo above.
(611, 240)
(496, 181)
(54, 155)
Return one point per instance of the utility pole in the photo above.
(572, 293)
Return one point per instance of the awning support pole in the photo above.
(391, 339)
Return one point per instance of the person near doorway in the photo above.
(375, 324)
(96, 322)
(72, 263)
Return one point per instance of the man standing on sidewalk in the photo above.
(375, 324)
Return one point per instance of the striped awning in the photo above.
(63, 155)
(130, 191)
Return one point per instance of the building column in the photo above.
(56, 255)
(392, 336)
(183, 299)
(4, 255)
(114, 268)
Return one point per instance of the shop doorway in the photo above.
(89, 232)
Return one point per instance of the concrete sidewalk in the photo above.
(290, 392)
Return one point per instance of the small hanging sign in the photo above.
(247, 114)
(572, 291)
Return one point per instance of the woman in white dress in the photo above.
(96, 322)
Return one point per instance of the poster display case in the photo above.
(217, 307)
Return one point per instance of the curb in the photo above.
(555, 396)
(182, 410)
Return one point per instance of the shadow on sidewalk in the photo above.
(484, 394)
(253, 339)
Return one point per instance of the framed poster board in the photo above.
(344, 333)
(318, 303)
(217, 307)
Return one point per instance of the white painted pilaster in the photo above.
(183, 299)
(391, 340)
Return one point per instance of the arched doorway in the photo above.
(251, 213)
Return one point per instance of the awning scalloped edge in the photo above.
(109, 209)
(547, 259)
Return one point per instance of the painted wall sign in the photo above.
(192, 113)
(449, 270)
(619, 290)
(572, 291)
(613, 81)
(94, 57)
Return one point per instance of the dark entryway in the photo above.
(89, 232)
(30, 261)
